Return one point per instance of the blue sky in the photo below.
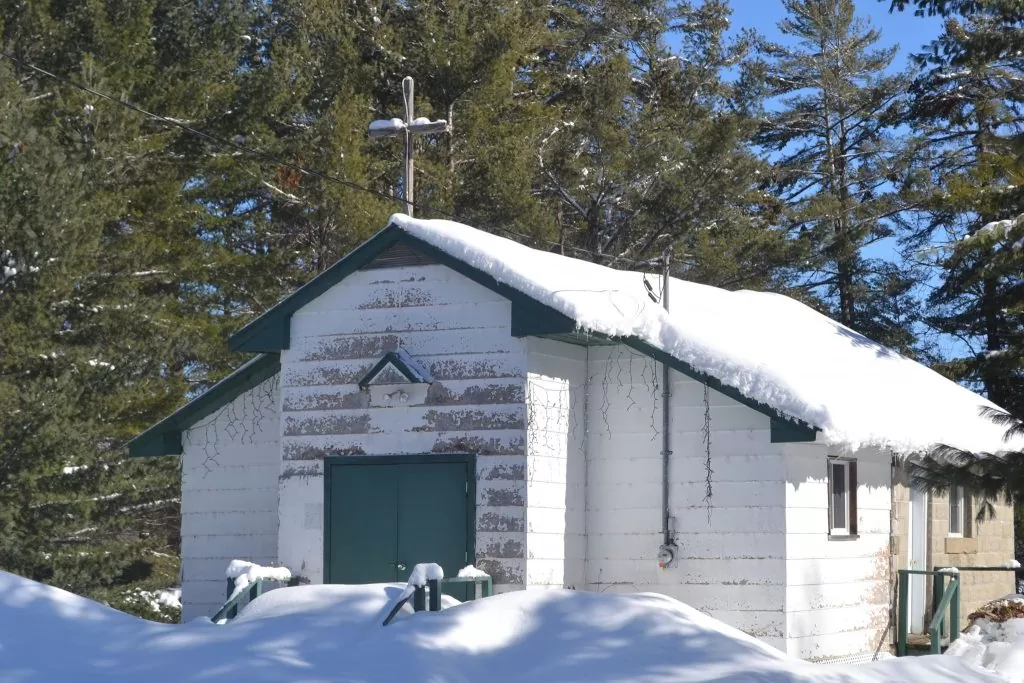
(911, 33)
(901, 28)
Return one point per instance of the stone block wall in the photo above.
(985, 544)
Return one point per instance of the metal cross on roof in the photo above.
(392, 128)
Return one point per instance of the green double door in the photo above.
(385, 515)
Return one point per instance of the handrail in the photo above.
(229, 610)
(485, 582)
(420, 594)
(939, 624)
(943, 598)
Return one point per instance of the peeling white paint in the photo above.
(229, 505)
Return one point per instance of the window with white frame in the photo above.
(959, 512)
(842, 497)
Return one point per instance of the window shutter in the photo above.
(853, 498)
(968, 514)
(828, 494)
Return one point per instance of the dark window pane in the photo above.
(956, 515)
(838, 496)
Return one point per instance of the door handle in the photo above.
(399, 566)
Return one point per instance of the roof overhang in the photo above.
(270, 334)
(164, 438)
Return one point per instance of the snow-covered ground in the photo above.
(995, 641)
(334, 633)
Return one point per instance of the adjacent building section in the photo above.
(230, 463)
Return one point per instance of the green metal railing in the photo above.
(432, 590)
(481, 584)
(229, 610)
(945, 600)
(483, 587)
(948, 604)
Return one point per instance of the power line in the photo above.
(289, 165)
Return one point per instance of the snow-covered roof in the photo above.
(769, 347)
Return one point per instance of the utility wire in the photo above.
(289, 165)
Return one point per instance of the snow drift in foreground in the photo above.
(997, 642)
(334, 633)
(770, 347)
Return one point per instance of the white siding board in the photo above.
(838, 589)
(242, 523)
(401, 287)
(444, 366)
(229, 545)
(404, 419)
(732, 566)
(834, 594)
(229, 497)
(248, 480)
(556, 518)
(492, 443)
(199, 569)
(461, 333)
(419, 326)
(456, 339)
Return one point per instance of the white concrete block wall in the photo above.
(230, 466)
(837, 589)
(461, 333)
(556, 470)
(732, 567)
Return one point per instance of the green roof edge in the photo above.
(269, 333)
(164, 438)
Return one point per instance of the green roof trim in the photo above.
(164, 438)
(269, 333)
(787, 431)
(688, 370)
(784, 429)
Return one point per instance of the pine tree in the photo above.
(1000, 39)
(967, 110)
(838, 164)
(647, 148)
(967, 114)
(474, 66)
(304, 95)
(990, 477)
(109, 296)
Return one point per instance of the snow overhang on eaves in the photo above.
(270, 333)
(164, 438)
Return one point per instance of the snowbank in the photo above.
(419, 576)
(333, 633)
(245, 573)
(995, 639)
(471, 572)
(771, 348)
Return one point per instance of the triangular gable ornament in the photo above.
(396, 379)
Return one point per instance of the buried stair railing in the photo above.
(482, 587)
(946, 613)
(431, 593)
(946, 617)
(945, 599)
(235, 598)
